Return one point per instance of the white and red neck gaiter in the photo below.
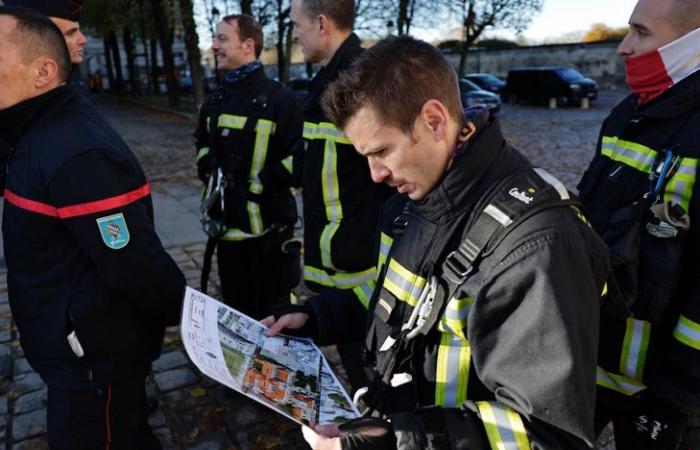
(652, 74)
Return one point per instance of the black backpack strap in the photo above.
(516, 199)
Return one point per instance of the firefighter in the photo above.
(246, 129)
(642, 196)
(65, 14)
(341, 204)
(90, 286)
(483, 323)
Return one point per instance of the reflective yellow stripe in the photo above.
(634, 348)
(208, 124)
(629, 153)
(341, 280)
(204, 151)
(688, 332)
(454, 354)
(679, 189)
(385, 243)
(288, 163)
(364, 292)
(504, 427)
(325, 130)
(264, 128)
(331, 200)
(232, 121)
(234, 234)
(618, 383)
(404, 284)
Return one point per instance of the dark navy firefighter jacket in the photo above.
(80, 245)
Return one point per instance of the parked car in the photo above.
(300, 86)
(539, 84)
(473, 95)
(487, 82)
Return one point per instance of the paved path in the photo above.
(193, 412)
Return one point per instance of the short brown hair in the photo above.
(248, 28)
(342, 12)
(395, 77)
(37, 36)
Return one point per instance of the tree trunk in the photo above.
(155, 72)
(282, 66)
(193, 54)
(116, 55)
(402, 19)
(134, 81)
(165, 38)
(288, 51)
(247, 7)
(108, 63)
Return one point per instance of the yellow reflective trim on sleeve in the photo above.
(208, 124)
(340, 280)
(634, 348)
(232, 121)
(504, 427)
(288, 164)
(405, 285)
(364, 292)
(204, 151)
(688, 332)
(235, 234)
(453, 364)
(618, 383)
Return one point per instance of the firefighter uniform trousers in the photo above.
(247, 129)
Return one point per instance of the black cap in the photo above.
(62, 9)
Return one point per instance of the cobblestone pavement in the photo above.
(193, 412)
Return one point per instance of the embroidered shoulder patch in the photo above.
(114, 232)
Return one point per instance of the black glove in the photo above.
(655, 425)
(437, 428)
(367, 433)
(310, 328)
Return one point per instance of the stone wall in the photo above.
(595, 60)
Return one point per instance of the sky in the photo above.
(559, 17)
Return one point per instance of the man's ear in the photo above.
(323, 24)
(435, 116)
(249, 46)
(45, 72)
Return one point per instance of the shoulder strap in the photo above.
(259, 106)
(517, 198)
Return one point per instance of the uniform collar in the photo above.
(346, 53)
(460, 187)
(15, 120)
(676, 101)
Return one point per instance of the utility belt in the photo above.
(515, 199)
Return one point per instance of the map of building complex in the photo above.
(287, 374)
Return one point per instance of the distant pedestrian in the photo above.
(90, 286)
